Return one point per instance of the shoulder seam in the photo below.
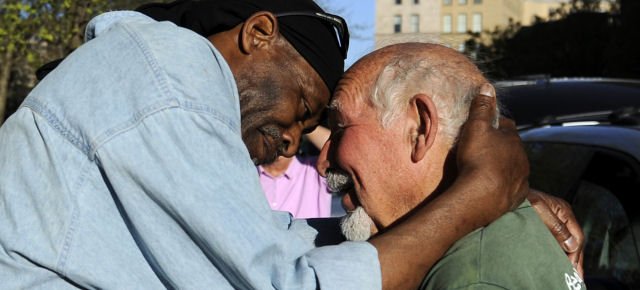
(72, 137)
(160, 107)
(158, 73)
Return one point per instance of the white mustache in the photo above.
(338, 180)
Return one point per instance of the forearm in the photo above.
(319, 136)
(408, 250)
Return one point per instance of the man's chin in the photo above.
(261, 148)
(264, 155)
(356, 225)
(264, 161)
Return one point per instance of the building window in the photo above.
(462, 23)
(416, 1)
(415, 23)
(398, 2)
(397, 24)
(462, 2)
(477, 1)
(446, 2)
(446, 23)
(477, 22)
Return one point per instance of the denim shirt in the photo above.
(125, 169)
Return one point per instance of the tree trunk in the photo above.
(5, 72)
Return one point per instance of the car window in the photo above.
(556, 168)
(601, 186)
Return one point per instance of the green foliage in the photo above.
(33, 32)
(16, 20)
(27, 25)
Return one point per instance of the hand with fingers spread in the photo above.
(557, 215)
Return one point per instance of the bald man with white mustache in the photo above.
(395, 120)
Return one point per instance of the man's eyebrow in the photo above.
(334, 106)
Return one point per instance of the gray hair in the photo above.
(407, 75)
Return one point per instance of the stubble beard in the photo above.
(357, 224)
(255, 104)
(273, 132)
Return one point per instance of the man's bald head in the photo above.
(392, 75)
(396, 115)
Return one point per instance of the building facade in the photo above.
(449, 21)
(407, 20)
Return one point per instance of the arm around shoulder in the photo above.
(492, 179)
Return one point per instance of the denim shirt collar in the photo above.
(103, 22)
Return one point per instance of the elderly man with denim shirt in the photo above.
(132, 164)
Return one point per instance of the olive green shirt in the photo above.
(517, 251)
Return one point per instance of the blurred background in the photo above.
(567, 71)
(514, 38)
(507, 38)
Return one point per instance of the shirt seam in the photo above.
(167, 102)
(52, 120)
(89, 147)
(164, 84)
(152, 110)
(69, 233)
(150, 60)
(66, 134)
(71, 228)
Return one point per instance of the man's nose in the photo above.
(291, 141)
(323, 159)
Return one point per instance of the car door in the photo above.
(601, 184)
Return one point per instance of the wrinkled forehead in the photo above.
(349, 108)
(354, 89)
(346, 99)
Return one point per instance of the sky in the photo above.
(360, 15)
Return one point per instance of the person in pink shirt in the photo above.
(293, 184)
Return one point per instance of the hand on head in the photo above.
(495, 155)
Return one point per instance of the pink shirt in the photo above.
(300, 190)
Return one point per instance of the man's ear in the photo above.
(259, 31)
(425, 117)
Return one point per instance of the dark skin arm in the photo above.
(493, 171)
(557, 215)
